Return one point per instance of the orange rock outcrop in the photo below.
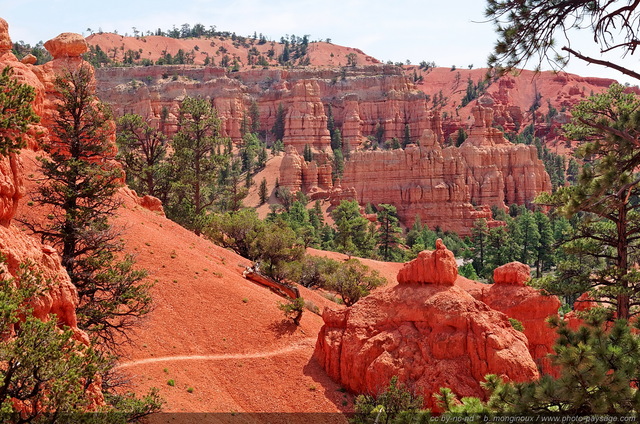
(429, 335)
(431, 267)
(510, 295)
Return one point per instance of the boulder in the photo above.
(67, 44)
(530, 306)
(513, 273)
(429, 335)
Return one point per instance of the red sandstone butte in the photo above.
(429, 335)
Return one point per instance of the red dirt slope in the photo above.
(212, 330)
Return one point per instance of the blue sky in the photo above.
(446, 32)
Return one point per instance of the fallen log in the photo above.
(281, 289)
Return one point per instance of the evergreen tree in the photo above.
(16, 113)
(278, 126)
(261, 160)
(353, 236)
(338, 165)
(406, 139)
(414, 232)
(79, 188)
(197, 160)
(388, 231)
(142, 150)
(353, 280)
(307, 154)
(237, 231)
(254, 115)
(263, 192)
(44, 368)
(395, 404)
(232, 191)
(336, 140)
(605, 196)
(528, 237)
(544, 253)
(379, 134)
(480, 240)
(331, 125)
(278, 246)
(500, 250)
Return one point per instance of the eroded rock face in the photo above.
(5, 39)
(529, 306)
(67, 44)
(513, 273)
(429, 335)
(59, 298)
(431, 267)
(11, 187)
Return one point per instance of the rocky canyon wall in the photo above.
(447, 187)
(361, 98)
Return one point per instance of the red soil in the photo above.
(153, 47)
(211, 329)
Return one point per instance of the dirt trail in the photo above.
(309, 341)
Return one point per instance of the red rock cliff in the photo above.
(60, 297)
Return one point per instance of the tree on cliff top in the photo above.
(528, 30)
(16, 113)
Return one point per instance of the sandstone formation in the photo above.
(431, 267)
(67, 44)
(59, 298)
(429, 334)
(529, 306)
(513, 273)
(447, 187)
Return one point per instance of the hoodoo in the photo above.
(425, 330)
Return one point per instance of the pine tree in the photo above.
(307, 154)
(79, 187)
(544, 252)
(354, 280)
(16, 113)
(278, 128)
(44, 368)
(603, 246)
(254, 115)
(388, 231)
(197, 161)
(528, 237)
(406, 139)
(480, 239)
(353, 236)
(338, 165)
(142, 150)
(263, 192)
